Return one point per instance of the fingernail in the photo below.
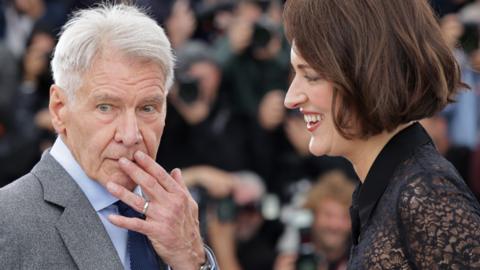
(112, 218)
(123, 160)
(139, 155)
(179, 172)
(112, 187)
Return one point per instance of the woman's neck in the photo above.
(364, 152)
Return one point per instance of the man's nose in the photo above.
(294, 98)
(128, 132)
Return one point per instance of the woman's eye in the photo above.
(104, 107)
(311, 79)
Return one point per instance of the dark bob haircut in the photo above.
(387, 59)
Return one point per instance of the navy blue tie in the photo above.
(142, 254)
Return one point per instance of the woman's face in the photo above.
(313, 95)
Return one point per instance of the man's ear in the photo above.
(58, 108)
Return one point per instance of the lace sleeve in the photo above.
(439, 225)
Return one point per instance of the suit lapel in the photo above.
(79, 225)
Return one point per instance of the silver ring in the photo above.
(145, 207)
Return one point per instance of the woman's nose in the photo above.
(294, 97)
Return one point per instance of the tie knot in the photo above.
(127, 211)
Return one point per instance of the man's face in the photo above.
(119, 109)
(331, 225)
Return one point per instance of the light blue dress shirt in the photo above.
(103, 202)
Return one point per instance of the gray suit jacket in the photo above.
(46, 222)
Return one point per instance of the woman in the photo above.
(366, 71)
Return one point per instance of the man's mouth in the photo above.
(115, 159)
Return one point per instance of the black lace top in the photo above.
(414, 211)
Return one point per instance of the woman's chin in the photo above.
(316, 148)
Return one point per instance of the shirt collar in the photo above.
(397, 150)
(97, 194)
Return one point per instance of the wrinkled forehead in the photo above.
(113, 55)
(117, 73)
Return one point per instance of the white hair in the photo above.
(122, 27)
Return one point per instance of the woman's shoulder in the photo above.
(428, 170)
(427, 177)
(437, 214)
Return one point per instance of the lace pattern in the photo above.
(426, 219)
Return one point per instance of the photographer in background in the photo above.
(27, 128)
(19, 20)
(237, 223)
(180, 24)
(202, 128)
(31, 99)
(253, 55)
(329, 236)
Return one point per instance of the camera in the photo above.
(261, 36)
(188, 89)
(307, 257)
(268, 207)
(227, 209)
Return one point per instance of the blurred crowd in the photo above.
(265, 202)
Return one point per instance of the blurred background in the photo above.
(265, 202)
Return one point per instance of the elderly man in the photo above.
(97, 199)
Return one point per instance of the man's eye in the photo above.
(104, 107)
(148, 108)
